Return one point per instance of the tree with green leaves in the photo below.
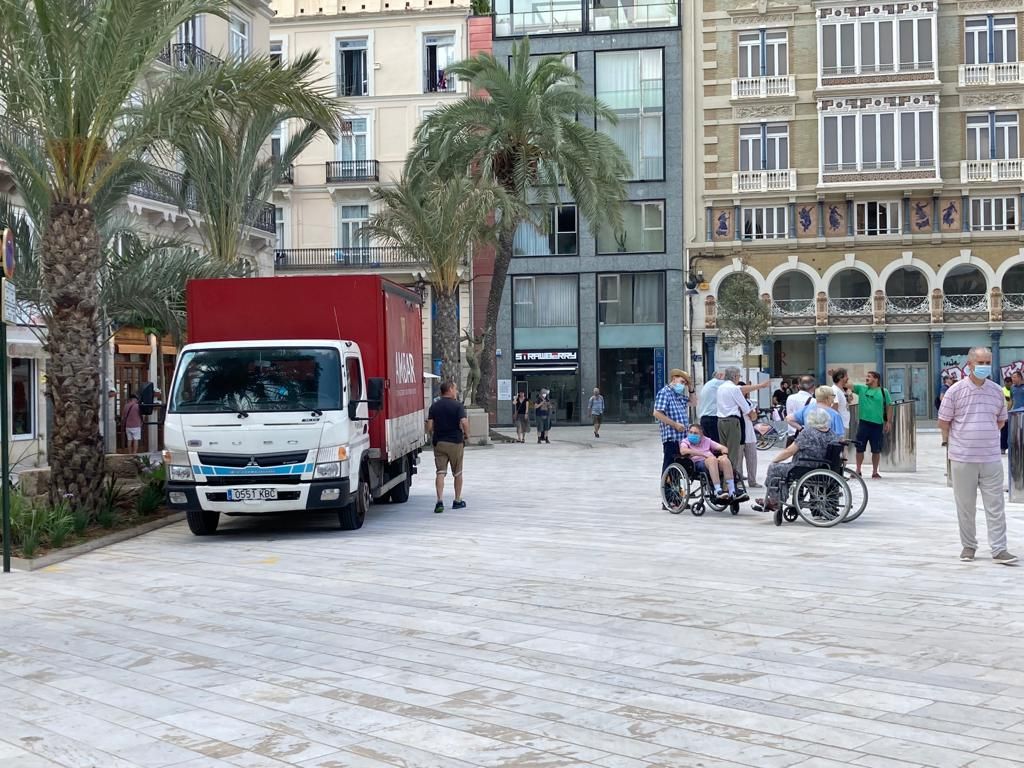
(76, 135)
(527, 134)
(437, 221)
(743, 319)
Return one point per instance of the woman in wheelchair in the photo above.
(711, 457)
(809, 450)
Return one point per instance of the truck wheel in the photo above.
(201, 522)
(400, 493)
(351, 517)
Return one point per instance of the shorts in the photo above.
(870, 432)
(699, 465)
(448, 454)
(522, 423)
(597, 420)
(134, 433)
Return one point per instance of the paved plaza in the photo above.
(561, 620)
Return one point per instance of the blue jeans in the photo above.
(671, 451)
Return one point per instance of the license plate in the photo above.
(252, 494)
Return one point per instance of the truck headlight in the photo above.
(180, 473)
(331, 469)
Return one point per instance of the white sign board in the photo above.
(504, 389)
(10, 301)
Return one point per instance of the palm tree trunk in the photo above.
(70, 261)
(446, 334)
(502, 260)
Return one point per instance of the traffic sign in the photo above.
(9, 258)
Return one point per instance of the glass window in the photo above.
(438, 55)
(545, 301)
(559, 239)
(279, 226)
(878, 218)
(998, 43)
(238, 36)
(352, 146)
(23, 397)
(637, 298)
(884, 142)
(352, 77)
(351, 218)
(870, 46)
(643, 230)
(764, 53)
(993, 213)
(277, 52)
(765, 222)
(764, 147)
(630, 83)
(354, 374)
(993, 136)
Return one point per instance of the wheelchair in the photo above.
(823, 495)
(683, 486)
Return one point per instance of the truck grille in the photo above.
(261, 460)
(236, 480)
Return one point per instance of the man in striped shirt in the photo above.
(970, 416)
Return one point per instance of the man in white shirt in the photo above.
(798, 400)
(707, 406)
(840, 383)
(733, 408)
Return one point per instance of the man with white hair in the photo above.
(733, 409)
(971, 415)
(707, 406)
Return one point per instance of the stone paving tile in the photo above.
(562, 622)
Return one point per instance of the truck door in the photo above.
(355, 390)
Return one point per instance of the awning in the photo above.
(545, 369)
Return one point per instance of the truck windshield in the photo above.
(258, 379)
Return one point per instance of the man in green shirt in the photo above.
(874, 409)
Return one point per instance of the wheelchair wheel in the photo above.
(778, 516)
(714, 503)
(822, 498)
(858, 494)
(735, 507)
(675, 488)
(790, 515)
(697, 509)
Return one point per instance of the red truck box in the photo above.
(383, 318)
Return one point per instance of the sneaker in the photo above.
(439, 508)
(967, 555)
(458, 505)
(1004, 558)
(740, 495)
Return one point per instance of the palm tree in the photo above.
(524, 136)
(69, 74)
(437, 221)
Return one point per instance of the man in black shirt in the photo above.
(449, 427)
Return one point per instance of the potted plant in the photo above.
(620, 239)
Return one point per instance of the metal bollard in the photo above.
(899, 453)
(1015, 456)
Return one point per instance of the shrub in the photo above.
(80, 519)
(27, 522)
(60, 523)
(150, 500)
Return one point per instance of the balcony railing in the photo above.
(783, 180)
(850, 306)
(607, 15)
(1011, 169)
(965, 303)
(438, 81)
(1013, 302)
(354, 257)
(907, 305)
(188, 55)
(265, 219)
(287, 175)
(911, 70)
(769, 86)
(556, 17)
(996, 73)
(344, 171)
(793, 307)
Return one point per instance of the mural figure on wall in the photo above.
(722, 230)
(949, 215)
(835, 219)
(805, 219)
(922, 219)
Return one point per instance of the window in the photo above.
(352, 145)
(559, 239)
(190, 32)
(765, 223)
(874, 45)
(277, 52)
(995, 44)
(238, 36)
(23, 398)
(631, 84)
(990, 214)
(764, 53)
(279, 227)
(764, 147)
(352, 72)
(354, 374)
(439, 54)
(878, 218)
(631, 299)
(993, 136)
(545, 301)
(351, 219)
(643, 230)
(568, 59)
(879, 141)
(838, 49)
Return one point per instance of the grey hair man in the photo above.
(707, 406)
(733, 410)
(970, 416)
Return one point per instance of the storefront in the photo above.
(554, 370)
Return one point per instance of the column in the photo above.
(822, 343)
(710, 342)
(821, 218)
(997, 374)
(935, 213)
(708, 216)
(151, 421)
(849, 218)
(965, 223)
(880, 354)
(906, 216)
(937, 360)
(792, 221)
(767, 349)
(737, 229)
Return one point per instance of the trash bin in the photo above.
(1016, 456)
(899, 453)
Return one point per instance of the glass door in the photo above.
(896, 382)
(919, 387)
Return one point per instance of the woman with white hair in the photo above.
(809, 449)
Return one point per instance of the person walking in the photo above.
(448, 427)
(874, 409)
(733, 408)
(804, 395)
(970, 417)
(521, 416)
(707, 406)
(840, 384)
(672, 411)
(132, 420)
(595, 408)
(1017, 391)
(543, 408)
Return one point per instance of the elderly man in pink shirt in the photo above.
(970, 416)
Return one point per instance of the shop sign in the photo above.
(659, 368)
(548, 357)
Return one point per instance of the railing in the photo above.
(565, 16)
(850, 306)
(287, 175)
(438, 81)
(996, 73)
(1014, 302)
(890, 68)
(793, 307)
(1011, 169)
(188, 55)
(907, 305)
(763, 87)
(965, 302)
(764, 181)
(265, 219)
(341, 171)
(879, 165)
(555, 18)
(173, 189)
(606, 15)
(355, 257)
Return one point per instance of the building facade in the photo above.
(581, 311)
(861, 163)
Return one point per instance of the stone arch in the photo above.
(966, 259)
(737, 266)
(794, 265)
(1006, 266)
(910, 263)
(866, 269)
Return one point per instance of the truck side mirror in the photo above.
(353, 410)
(375, 393)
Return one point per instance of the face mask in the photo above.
(678, 389)
(982, 371)
(693, 439)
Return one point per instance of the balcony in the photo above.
(287, 176)
(878, 74)
(438, 81)
(991, 170)
(352, 171)
(783, 180)
(996, 73)
(356, 257)
(559, 17)
(882, 172)
(907, 309)
(1013, 306)
(793, 312)
(608, 15)
(968, 306)
(768, 87)
(555, 17)
(850, 311)
(188, 56)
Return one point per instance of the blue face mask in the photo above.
(693, 438)
(982, 371)
(678, 388)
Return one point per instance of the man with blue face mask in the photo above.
(672, 410)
